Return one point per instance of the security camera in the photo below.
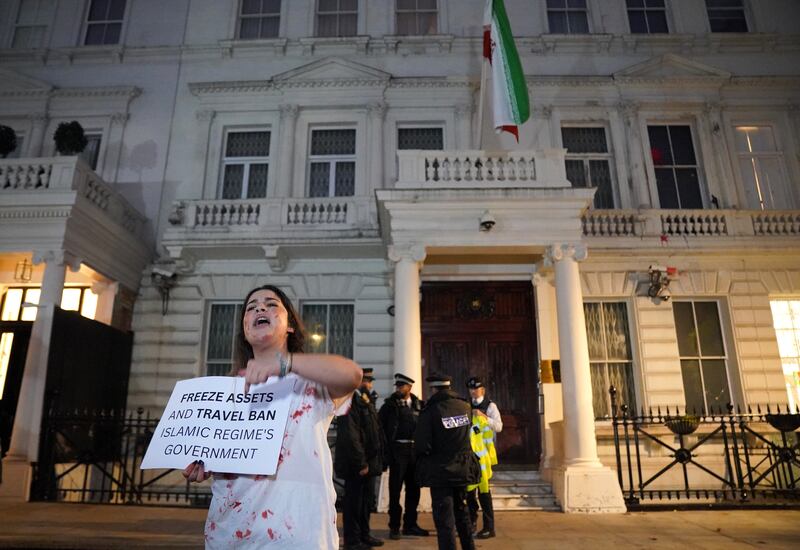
(487, 221)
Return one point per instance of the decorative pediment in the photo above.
(670, 66)
(331, 69)
(12, 82)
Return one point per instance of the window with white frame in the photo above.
(20, 303)
(337, 18)
(329, 327)
(91, 152)
(245, 165)
(726, 15)
(704, 362)
(647, 16)
(610, 355)
(223, 318)
(588, 162)
(786, 320)
(33, 19)
(567, 16)
(762, 168)
(417, 17)
(420, 138)
(104, 22)
(259, 19)
(675, 166)
(332, 163)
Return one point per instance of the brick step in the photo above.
(523, 502)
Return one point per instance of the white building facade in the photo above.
(332, 148)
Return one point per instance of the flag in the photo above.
(509, 92)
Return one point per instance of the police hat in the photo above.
(402, 380)
(474, 383)
(367, 374)
(439, 380)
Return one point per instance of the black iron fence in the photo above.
(95, 457)
(710, 458)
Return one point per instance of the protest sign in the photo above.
(213, 420)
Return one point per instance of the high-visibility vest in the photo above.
(482, 440)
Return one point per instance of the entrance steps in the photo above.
(521, 490)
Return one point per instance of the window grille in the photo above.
(259, 19)
(426, 139)
(675, 165)
(330, 328)
(726, 15)
(332, 163)
(609, 355)
(245, 165)
(647, 16)
(702, 355)
(223, 320)
(33, 18)
(762, 167)
(588, 162)
(104, 22)
(567, 16)
(416, 17)
(337, 18)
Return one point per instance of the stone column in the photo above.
(554, 116)
(109, 170)
(636, 161)
(582, 484)
(33, 147)
(204, 120)
(407, 332)
(283, 183)
(541, 117)
(376, 112)
(720, 181)
(24, 448)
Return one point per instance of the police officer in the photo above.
(484, 406)
(398, 417)
(367, 382)
(359, 457)
(446, 462)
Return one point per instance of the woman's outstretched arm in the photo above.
(340, 375)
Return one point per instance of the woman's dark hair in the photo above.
(296, 340)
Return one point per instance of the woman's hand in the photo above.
(259, 370)
(195, 472)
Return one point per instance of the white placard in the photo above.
(211, 419)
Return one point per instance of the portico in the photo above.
(537, 218)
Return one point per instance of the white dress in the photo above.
(295, 507)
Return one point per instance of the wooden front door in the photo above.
(487, 330)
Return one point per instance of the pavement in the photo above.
(95, 527)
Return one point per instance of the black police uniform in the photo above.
(399, 421)
(447, 464)
(359, 445)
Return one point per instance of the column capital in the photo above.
(377, 109)
(414, 252)
(206, 115)
(539, 277)
(289, 111)
(60, 257)
(559, 251)
(628, 108)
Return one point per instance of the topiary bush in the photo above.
(8, 140)
(70, 138)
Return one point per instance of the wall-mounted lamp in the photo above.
(164, 280)
(23, 271)
(487, 221)
(660, 277)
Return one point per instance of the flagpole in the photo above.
(481, 101)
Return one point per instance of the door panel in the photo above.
(487, 330)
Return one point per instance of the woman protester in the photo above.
(295, 507)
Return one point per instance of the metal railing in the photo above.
(95, 457)
(709, 458)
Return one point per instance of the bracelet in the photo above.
(284, 365)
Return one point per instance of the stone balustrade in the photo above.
(471, 169)
(48, 178)
(691, 223)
